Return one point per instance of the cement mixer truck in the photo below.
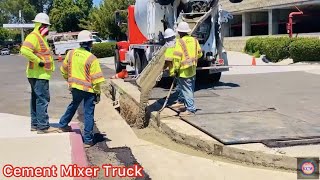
(148, 19)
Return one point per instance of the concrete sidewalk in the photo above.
(162, 163)
(22, 148)
(242, 64)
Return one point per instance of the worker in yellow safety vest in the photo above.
(185, 58)
(171, 39)
(83, 72)
(39, 68)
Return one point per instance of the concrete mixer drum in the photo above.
(148, 15)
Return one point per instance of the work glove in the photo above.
(97, 99)
(41, 64)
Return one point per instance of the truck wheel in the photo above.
(140, 61)
(117, 63)
(165, 2)
(137, 63)
(215, 77)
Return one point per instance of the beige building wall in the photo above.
(248, 5)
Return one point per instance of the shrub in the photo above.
(102, 50)
(253, 45)
(15, 50)
(305, 49)
(275, 48)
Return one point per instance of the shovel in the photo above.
(165, 103)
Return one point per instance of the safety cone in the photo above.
(60, 58)
(121, 75)
(254, 63)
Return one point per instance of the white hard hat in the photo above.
(169, 33)
(85, 36)
(183, 27)
(42, 18)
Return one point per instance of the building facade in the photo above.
(270, 17)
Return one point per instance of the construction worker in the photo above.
(185, 57)
(170, 39)
(83, 72)
(40, 66)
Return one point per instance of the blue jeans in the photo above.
(77, 97)
(40, 98)
(185, 89)
(179, 92)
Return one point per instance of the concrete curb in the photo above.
(217, 149)
(210, 146)
(78, 154)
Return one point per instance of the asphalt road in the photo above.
(15, 98)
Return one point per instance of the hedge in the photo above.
(279, 48)
(305, 49)
(102, 50)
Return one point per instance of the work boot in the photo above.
(187, 114)
(49, 130)
(177, 105)
(65, 129)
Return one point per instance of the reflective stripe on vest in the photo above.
(87, 84)
(28, 44)
(187, 62)
(96, 76)
(88, 63)
(44, 53)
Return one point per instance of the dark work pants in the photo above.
(40, 98)
(88, 106)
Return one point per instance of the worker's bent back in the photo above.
(82, 70)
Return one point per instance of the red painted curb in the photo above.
(78, 154)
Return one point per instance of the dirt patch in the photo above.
(101, 154)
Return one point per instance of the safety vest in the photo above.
(186, 55)
(82, 70)
(168, 56)
(42, 50)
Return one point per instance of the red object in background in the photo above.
(289, 25)
(135, 35)
(221, 62)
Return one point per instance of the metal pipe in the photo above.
(289, 25)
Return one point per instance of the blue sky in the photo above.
(96, 2)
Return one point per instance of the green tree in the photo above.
(10, 10)
(4, 34)
(42, 5)
(102, 19)
(67, 14)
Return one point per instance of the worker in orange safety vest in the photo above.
(39, 68)
(83, 72)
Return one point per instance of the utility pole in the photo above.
(21, 22)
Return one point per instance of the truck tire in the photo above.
(117, 64)
(140, 61)
(235, 1)
(215, 77)
(137, 63)
(165, 2)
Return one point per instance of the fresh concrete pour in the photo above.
(225, 87)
